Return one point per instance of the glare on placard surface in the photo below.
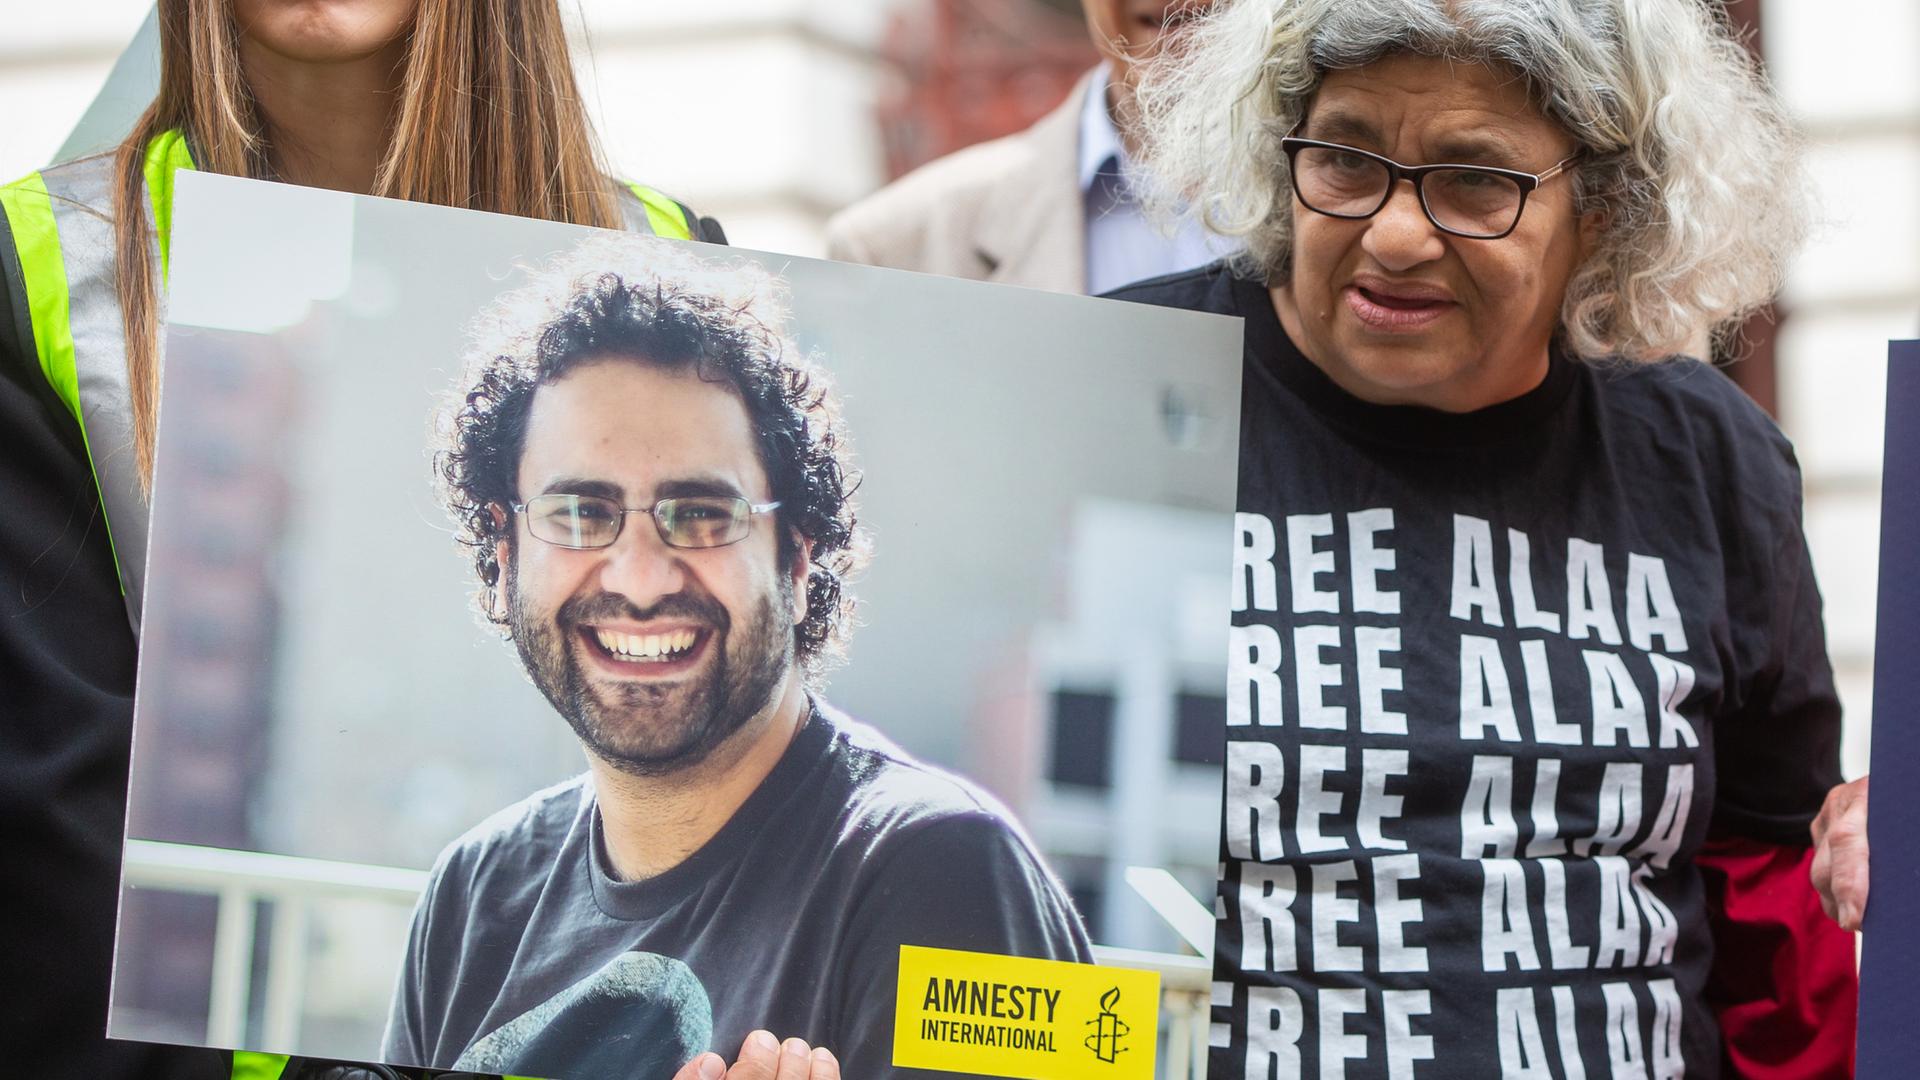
(298, 248)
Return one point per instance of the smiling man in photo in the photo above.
(652, 480)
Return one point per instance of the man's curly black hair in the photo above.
(635, 300)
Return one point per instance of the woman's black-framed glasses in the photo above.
(593, 521)
(1479, 202)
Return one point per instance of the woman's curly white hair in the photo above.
(1687, 153)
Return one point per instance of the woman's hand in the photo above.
(763, 1057)
(1840, 854)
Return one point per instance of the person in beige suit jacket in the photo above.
(1047, 207)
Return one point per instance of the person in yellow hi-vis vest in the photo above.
(467, 103)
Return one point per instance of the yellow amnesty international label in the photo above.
(1012, 1016)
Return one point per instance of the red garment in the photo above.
(1785, 983)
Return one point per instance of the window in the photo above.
(1200, 729)
(1086, 895)
(1082, 739)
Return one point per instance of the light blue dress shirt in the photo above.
(1123, 245)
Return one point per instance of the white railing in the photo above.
(241, 880)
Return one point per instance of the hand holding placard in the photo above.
(763, 1057)
(1840, 854)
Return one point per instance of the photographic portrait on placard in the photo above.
(615, 647)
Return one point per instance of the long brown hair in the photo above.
(489, 118)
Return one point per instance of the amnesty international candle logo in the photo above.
(1013, 1016)
(1108, 1029)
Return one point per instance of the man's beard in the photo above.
(651, 729)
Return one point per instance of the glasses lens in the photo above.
(1339, 182)
(702, 521)
(575, 521)
(1472, 203)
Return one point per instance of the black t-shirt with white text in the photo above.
(1494, 677)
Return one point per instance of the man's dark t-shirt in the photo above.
(1494, 678)
(529, 958)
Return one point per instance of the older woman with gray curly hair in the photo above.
(1531, 708)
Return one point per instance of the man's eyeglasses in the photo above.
(1479, 202)
(591, 521)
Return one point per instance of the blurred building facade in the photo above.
(1130, 731)
(194, 779)
(1848, 71)
(966, 71)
